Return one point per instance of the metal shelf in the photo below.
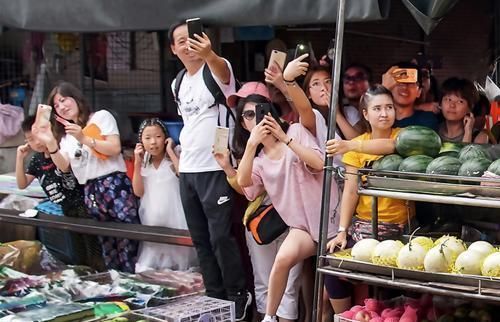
(443, 289)
(464, 201)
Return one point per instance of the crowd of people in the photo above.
(276, 160)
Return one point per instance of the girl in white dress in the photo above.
(156, 183)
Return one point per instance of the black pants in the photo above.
(207, 199)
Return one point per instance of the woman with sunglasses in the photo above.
(91, 147)
(262, 256)
(286, 162)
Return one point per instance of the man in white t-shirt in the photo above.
(206, 195)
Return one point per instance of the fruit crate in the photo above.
(193, 308)
(338, 318)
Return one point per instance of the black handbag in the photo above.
(265, 224)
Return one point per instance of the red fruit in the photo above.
(347, 314)
(410, 314)
(362, 316)
(373, 314)
(392, 319)
(377, 319)
(357, 308)
(389, 313)
(373, 305)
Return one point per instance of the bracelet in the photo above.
(288, 81)
(289, 141)
(54, 152)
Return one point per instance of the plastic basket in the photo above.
(338, 318)
(195, 308)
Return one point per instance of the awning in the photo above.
(128, 15)
(428, 13)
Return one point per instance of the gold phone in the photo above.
(43, 114)
(405, 75)
(221, 139)
(279, 57)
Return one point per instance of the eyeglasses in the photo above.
(354, 78)
(248, 115)
(316, 85)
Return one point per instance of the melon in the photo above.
(388, 163)
(474, 167)
(444, 165)
(425, 242)
(495, 167)
(416, 139)
(411, 256)
(363, 250)
(439, 259)
(415, 163)
(491, 265)
(451, 149)
(469, 262)
(472, 152)
(386, 252)
(482, 247)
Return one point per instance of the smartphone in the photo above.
(43, 115)
(221, 141)
(146, 159)
(405, 75)
(279, 57)
(302, 49)
(261, 110)
(194, 27)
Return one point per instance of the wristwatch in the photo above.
(342, 229)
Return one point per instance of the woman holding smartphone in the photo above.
(98, 164)
(286, 162)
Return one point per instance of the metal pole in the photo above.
(327, 176)
(375, 217)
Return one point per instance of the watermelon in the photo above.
(444, 165)
(415, 163)
(417, 140)
(388, 163)
(474, 167)
(472, 152)
(495, 167)
(451, 149)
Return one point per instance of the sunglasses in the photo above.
(354, 78)
(248, 115)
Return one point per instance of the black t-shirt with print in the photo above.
(61, 188)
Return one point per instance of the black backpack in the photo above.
(213, 87)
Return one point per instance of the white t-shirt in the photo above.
(198, 134)
(351, 114)
(84, 163)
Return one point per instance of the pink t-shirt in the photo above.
(294, 189)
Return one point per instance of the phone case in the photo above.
(221, 139)
(146, 159)
(279, 57)
(406, 75)
(300, 50)
(260, 111)
(42, 119)
(194, 27)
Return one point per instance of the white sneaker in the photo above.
(269, 318)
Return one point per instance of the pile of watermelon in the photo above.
(419, 149)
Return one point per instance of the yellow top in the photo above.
(389, 210)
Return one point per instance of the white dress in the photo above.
(161, 206)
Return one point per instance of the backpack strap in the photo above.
(177, 87)
(213, 87)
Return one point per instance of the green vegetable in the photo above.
(388, 163)
(472, 152)
(474, 167)
(416, 140)
(444, 165)
(415, 163)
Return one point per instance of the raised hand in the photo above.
(296, 68)
(274, 128)
(23, 150)
(201, 46)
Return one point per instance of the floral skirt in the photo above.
(110, 198)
